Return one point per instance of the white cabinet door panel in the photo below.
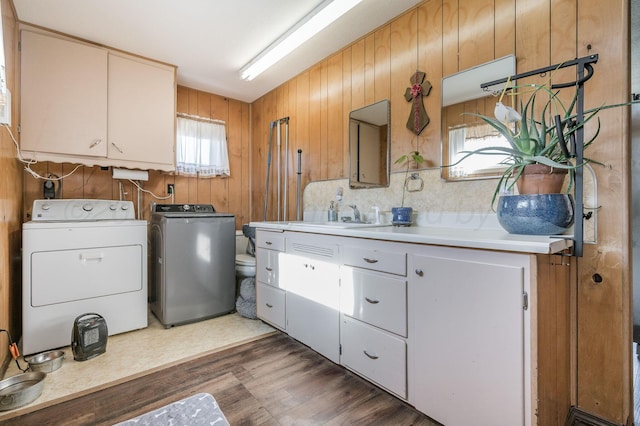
(313, 299)
(141, 111)
(63, 96)
(468, 342)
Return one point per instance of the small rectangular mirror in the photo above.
(369, 146)
(462, 131)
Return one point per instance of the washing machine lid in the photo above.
(245, 260)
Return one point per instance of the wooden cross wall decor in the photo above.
(418, 119)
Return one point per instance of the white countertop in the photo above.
(489, 239)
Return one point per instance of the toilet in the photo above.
(245, 263)
(245, 273)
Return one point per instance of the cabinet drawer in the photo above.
(270, 240)
(268, 266)
(270, 305)
(378, 356)
(393, 262)
(378, 299)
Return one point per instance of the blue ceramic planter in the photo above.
(536, 214)
(402, 216)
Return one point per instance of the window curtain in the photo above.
(201, 148)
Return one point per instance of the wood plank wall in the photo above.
(10, 201)
(441, 37)
(226, 194)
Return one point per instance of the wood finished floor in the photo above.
(271, 381)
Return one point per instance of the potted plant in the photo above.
(403, 215)
(539, 143)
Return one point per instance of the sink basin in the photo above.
(339, 224)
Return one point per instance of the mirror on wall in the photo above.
(370, 145)
(462, 131)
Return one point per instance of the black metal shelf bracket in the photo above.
(584, 71)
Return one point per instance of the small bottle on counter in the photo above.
(332, 214)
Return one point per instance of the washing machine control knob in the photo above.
(87, 207)
(185, 207)
(124, 206)
(45, 207)
(112, 207)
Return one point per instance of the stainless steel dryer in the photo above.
(192, 264)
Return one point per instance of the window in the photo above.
(201, 147)
(466, 138)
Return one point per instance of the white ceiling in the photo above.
(209, 40)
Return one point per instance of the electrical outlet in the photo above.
(170, 188)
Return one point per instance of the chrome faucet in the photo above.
(356, 213)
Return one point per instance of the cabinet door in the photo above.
(141, 111)
(467, 340)
(313, 292)
(63, 94)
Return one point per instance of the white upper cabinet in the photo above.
(141, 109)
(89, 105)
(63, 96)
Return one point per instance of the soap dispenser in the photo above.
(332, 214)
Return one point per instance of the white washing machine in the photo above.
(81, 256)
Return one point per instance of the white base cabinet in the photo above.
(270, 294)
(446, 329)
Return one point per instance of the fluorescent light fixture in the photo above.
(319, 18)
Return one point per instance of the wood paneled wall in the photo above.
(441, 37)
(10, 201)
(226, 194)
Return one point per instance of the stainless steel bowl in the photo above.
(46, 361)
(21, 390)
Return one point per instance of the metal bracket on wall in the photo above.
(584, 71)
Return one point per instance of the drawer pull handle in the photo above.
(268, 305)
(366, 259)
(419, 273)
(369, 355)
(373, 302)
(268, 269)
(88, 258)
(268, 243)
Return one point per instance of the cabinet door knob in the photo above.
(419, 273)
(373, 302)
(366, 259)
(369, 355)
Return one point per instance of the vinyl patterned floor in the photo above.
(139, 352)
